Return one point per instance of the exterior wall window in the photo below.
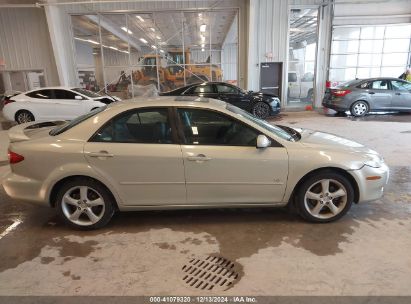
(369, 51)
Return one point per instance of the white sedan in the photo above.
(164, 153)
(53, 103)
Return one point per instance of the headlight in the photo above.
(374, 161)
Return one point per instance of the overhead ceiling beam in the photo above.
(113, 28)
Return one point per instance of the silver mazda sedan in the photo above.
(369, 95)
(165, 153)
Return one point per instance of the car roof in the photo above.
(380, 78)
(166, 101)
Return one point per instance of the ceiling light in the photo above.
(143, 40)
(200, 15)
(161, 51)
(154, 47)
(203, 28)
(113, 48)
(126, 30)
(158, 37)
(202, 38)
(152, 29)
(163, 43)
(139, 18)
(203, 45)
(202, 50)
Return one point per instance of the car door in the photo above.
(402, 95)
(202, 90)
(233, 95)
(44, 104)
(137, 151)
(380, 95)
(222, 164)
(68, 107)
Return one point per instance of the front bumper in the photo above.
(24, 189)
(371, 189)
(275, 107)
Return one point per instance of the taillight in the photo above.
(340, 93)
(7, 101)
(15, 158)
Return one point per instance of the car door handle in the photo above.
(199, 157)
(397, 93)
(100, 154)
(371, 93)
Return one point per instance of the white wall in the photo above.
(25, 42)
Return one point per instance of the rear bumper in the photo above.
(371, 189)
(24, 188)
(336, 104)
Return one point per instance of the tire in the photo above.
(24, 116)
(359, 108)
(324, 197)
(261, 110)
(88, 210)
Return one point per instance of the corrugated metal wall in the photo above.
(25, 42)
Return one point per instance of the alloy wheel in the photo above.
(325, 198)
(83, 205)
(261, 110)
(24, 117)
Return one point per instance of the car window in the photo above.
(42, 94)
(204, 127)
(364, 85)
(292, 77)
(222, 88)
(68, 125)
(400, 85)
(137, 126)
(201, 89)
(64, 94)
(379, 85)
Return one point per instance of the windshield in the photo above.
(262, 123)
(86, 92)
(68, 125)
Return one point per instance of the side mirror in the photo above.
(78, 97)
(263, 142)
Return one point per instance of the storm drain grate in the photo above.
(210, 273)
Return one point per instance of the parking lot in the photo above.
(274, 252)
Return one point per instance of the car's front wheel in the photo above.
(24, 116)
(261, 110)
(359, 108)
(324, 197)
(85, 204)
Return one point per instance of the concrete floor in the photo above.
(142, 253)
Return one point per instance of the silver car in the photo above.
(163, 153)
(369, 95)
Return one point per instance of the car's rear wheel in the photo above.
(261, 110)
(359, 108)
(85, 204)
(24, 116)
(324, 197)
